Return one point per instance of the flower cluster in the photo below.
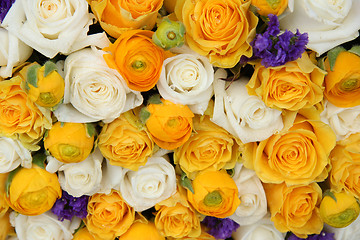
(117, 120)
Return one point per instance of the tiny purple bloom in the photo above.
(220, 228)
(322, 236)
(4, 7)
(68, 206)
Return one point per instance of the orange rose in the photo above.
(109, 216)
(342, 84)
(299, 155)
(19, 117)
(215, 194)
(221, 30)
(209, 148)
(137, 58)
(118, 16)
(292, 86)
(125, 144)
(345, 161)
(295, 208)
(169, 124)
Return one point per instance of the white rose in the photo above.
(152, 183)
(112, 177)
(13, 154)
(253, 206)
(45, 226)
(82, 178)
(344, 121)
(93, 91)
(187, 79)
(350, 232)
(244, 116)
(328, 23)
(12, 52)
(53, 26)
(263, 229)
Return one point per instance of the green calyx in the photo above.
(31, 77)
(213, 199)
(169, 34)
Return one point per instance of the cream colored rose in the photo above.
(244, 116)
(12, 52)
(13, 154)
(93, 91)
(53, 26)
(328, 23)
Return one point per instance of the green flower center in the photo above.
(350, 84)
(171, 35)
(273, 3)
(69, 150)
(213, 199)
(138, 65)
(47, 98)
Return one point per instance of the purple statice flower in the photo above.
(4, 8)
(220, 228)
(274, 49)
(68, 206)
(322, 236)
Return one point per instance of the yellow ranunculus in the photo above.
(143, 231)
(209, 148)
(341, 211)
(19, 117)
(119, 16)
(342, 84)
(169, 124)
(46, 91)
(221, 30)
(33, 191)
(292, 86)
(125, 144)
(295, 208)
(215, 194)
(345, 161)
(109, 216)
(299, 155)
(266, 7)
(176, 218)
(69, 142)
(137, 58)
(83, 234)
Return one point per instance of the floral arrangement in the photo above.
(179, 119)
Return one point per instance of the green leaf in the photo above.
(355, 50)
(144, 115)
(39, 160)
(9, 180)
(155, 99)
(31, 77)
(49, 68)
(330, 194)
(62, 124)
(332, 55)
(90, 130)
(186, 183)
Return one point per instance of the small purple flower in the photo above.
(68, 206)
(273, 25)
(322, 236)
(220, 228)
(4, 7)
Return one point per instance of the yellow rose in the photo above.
(342, 83)
(4, 206)
(209, 148)
(341, 211)
(299, 155)
(19, 117)
(125, 144)
(266, 7)
(176, 218)
(215, 194)
(295, 208)
(118, 16)
(221, 30)
(143, 231)
(292, 86)
(33, 191)
(69, 142)
(345, 161)
(109, 216)
(83, 234)
(169, 124)
(137, 59)
(44, 85)
(5, 226)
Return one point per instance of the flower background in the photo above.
(179, 119)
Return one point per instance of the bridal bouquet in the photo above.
(179, 119)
